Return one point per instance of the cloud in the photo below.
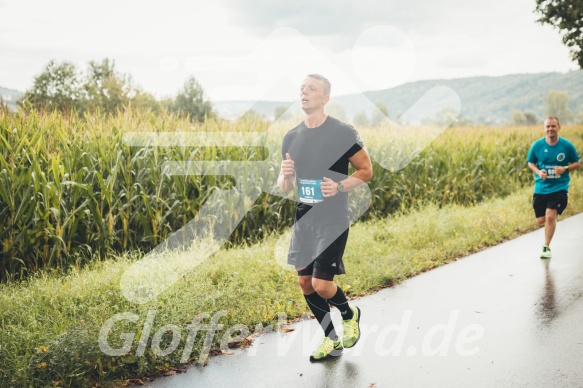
(463, 58)
(339, 23)
(338, 18)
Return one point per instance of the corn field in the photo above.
(71, 188)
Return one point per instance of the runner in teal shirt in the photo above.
(551, 159)
(547, 157)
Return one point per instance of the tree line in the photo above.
(556, 104)
(102, 89)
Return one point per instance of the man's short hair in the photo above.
(325, 82)
(553, 118)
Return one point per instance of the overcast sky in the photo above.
(261, 49)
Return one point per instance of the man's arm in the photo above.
(563, 169)
(574, 156)
(573, 166)
(363, 166)
(534, 168)
(286, 184)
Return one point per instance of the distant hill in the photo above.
(490, 99)
(484, 99)
(10, 97)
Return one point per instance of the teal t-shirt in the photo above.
(547, 157)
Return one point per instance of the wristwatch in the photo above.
(340, 187)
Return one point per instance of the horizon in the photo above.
(377, 90)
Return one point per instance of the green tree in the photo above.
(567, 16)
(250, 116)
(518, 117)
(531, 118)
(379, 115)
(361, 119)
(147, 102)
(106, 89)
(557, 106)
(58, 87)
(167, 104)
(190, 101)
(447, 116)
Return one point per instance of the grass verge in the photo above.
(51, 323)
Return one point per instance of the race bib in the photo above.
(310, 190)
(551, 172)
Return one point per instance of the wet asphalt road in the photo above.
(499, 318)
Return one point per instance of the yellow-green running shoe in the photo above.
(351, 329)
(327, 348)
(546, 253)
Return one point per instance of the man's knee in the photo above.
(551, 215)
(324, 288)
(305, 283)
(541, 220)
(318, 286)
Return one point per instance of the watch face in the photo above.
(340, 187)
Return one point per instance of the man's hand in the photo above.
(329, 187)
(560, 170)
(286, 174)
(542, 174)
(287, 166)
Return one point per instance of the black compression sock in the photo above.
(339, 300)
(321, 310)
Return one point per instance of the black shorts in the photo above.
(319, 247)
(542, 202)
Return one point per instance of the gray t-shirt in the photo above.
(317, 153)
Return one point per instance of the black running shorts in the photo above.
(542, 202)
(319, 247)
